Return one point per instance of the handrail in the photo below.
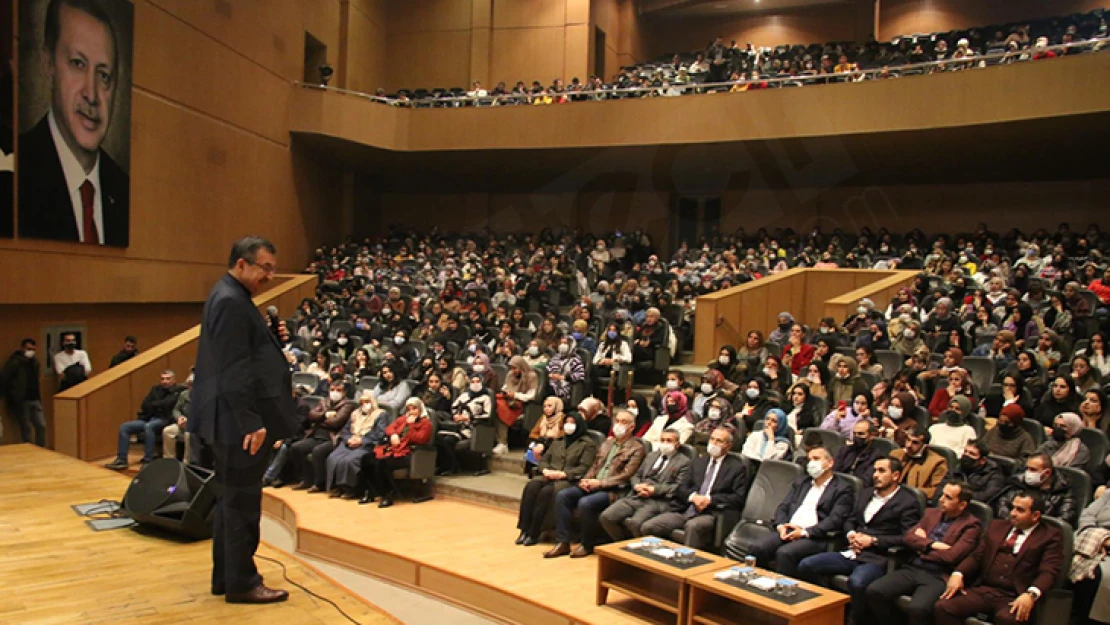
(110, 396)
(978, 61)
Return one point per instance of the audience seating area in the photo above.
(732, 67)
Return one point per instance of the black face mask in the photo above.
(968, 465)
(672, 409)
(1007, 429)
(861, 442)
(954, 419)
(1059, 434)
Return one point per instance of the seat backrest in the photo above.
(337, 325)
(885, 445)
(1006, 464)
(419, 346)
(1067, 544)
(921, 415)
(982, 512)
(646, 444)
(857, 484)
(312, 400)
(870, 379)
(1096, 442)
(1079, 483)
(306, 379)
(1035, 429)
(977, 422)
(921, 503)
(949, 456)
(830, 440)
(502, 372)
(598, 437)
(688, 451)
(981, 370)
(367, 382)
(890, 360)
(768, 488)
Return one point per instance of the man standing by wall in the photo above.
(19, 385)
(242, 401)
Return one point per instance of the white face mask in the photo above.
(713, 413)
(366, 408)
(895, 412)
(564, 348)
(533, 351)
(341, 340)
(399, 340)
(706, 388)
(29, 354)
(470, 360)
(767, 371)
(814, 377)
(619, 430)
(815, 468)
(634, 411)
(909, 334)
(1034, 478)
(862, 310)
(752, 393)
(335, 396)
(672, 385)
(667, 449)
(714, 450)
(724, 360)
(479, 368)
(569, 427)
(475, 387)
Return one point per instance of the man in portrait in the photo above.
(69, 188)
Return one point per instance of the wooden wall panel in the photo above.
(428, 16)
(252, 98)
(527, 54)
(428, 60)
(529, 13)
(106, 410)
(366, 52)
(576, 51)
(578, 11)
(903, 17)
(269, 33)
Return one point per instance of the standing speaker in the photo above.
(173, 496)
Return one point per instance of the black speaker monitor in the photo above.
(173, 496)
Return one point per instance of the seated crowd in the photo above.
(733, 68)
(976, 394)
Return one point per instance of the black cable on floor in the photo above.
(285, 574)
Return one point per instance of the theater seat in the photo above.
(725, 520)
(769, 487)
(898, 554)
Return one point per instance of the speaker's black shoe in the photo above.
(530, 542)
(520, 539)
(367, 497)
(385, 502)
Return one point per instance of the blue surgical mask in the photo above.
(611, 334)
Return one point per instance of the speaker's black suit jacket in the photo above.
(45, 207)
(242, 382)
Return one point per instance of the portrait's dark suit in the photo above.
(993, 579)
(45, 208)
(241, 385)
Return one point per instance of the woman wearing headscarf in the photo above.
(844, 416)
(404, 354)
(803, 409)
(713, 384)
(778, 376)
(1032, 375)
(874, 335)
(796, 353)
(1008, 438)
(674, 416)
(481, 365)
(1065, 447)
(1061, 397)
(846, 382)
(1024, 325)
(782, 332)
(452, 375)
(412, 428)
(908, 340)
(952, 429)
(816, 379)
(473, 406)
(900, 417)
(565, 368)
(521, 386)
(561, 466)
(754, 402)
(391, 391)
(638, 406)
(726, 362)
(718, 414)
(773, 442)
(546, 431)
(364, 431)
(750, 356)
(959, 383)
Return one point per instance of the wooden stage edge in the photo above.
(457, 585)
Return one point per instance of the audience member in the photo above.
(1041, 477)
(72, 365)
(412, 428)
(922, 468)
(129, 351)
(326, 420)
(175, 431)
(653, 487)
(155, 413)
(562, 466)
(19, 385)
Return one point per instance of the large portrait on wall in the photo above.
(7, 119)
(74, 149)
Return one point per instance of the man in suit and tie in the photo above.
(715, 482)
(242, 401)
(944, 537)
(817, 505)
(69, 188)
(881, 517)
(1014, 565)
(653, 486)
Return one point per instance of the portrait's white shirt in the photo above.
(75, 177)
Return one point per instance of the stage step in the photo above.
(500, 490)
(511, 463)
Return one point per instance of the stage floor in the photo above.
(55, 570)
(459, 551)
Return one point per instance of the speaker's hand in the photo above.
(253, 442)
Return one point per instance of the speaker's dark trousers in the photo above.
(235, 530)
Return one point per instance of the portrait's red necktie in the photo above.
(87, 206)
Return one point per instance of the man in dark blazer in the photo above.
(944, 537)
(69, 188)
(858, 458)
(242, 401)
(1017, 562)
(817, 505)
(716, 482)
(881, 517)
(653, 487)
